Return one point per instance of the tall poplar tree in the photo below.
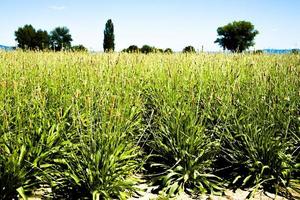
(109, 37)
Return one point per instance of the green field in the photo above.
(97, 125)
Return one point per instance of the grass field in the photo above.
(89, 125)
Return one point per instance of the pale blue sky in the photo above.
(161, 23)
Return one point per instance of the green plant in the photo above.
(189, 49)
(24, 161)
(76, 122)
(182, 152)
(236, 36)
(257, 158)
(99, 168)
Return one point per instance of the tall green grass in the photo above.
(85, 125)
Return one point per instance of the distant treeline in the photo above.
(58, 39)
(237, 36)
(150, 49)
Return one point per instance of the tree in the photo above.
(28, 38)
(236, 36)
(60, 38)
(189, 49)
(132, 49)
(295, 51)
(25, 36)
(79, 47)
(147, 49)
(109, 37)
(42, 39)
(168, 50)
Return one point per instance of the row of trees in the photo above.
(145, 49)
(150, 49)
(58, 39)
(236, 37)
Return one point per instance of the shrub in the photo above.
(295, 51)
(189, 49)
(182, 153)
(147, 49)
(79, 48)
(132, 49)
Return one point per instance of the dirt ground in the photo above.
(228, 195)
(147, 194)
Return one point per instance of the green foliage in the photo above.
(258, 158)
(182, 153)
(102, 165)
(42, 39)
(189, 49)
(79, 48)
(236, 36)
(295, 51)
(60, 38)
(24, 159)
(158, 50)
(132, 49)
(258, 52)
(109, 37)
(13, 175)
(147, 49)
(85, 124)
(28, 38)
(168, 50)
(25, 37)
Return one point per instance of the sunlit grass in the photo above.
(85, 124)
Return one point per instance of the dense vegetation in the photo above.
(109, 37)
(237, 36)
(85, 125)
(30, 39)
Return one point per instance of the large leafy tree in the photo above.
(236, 36)
(25, 36)
(28, 38)
(109, 37)
(42, 39)
(60, 38)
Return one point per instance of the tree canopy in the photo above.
(28, 38)
(147, 49)
(60, 38)
(132, 49)
(42, 39)
(189, 49)
(109, 37)
(295, 51)
(79, 47)
(236, 36)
